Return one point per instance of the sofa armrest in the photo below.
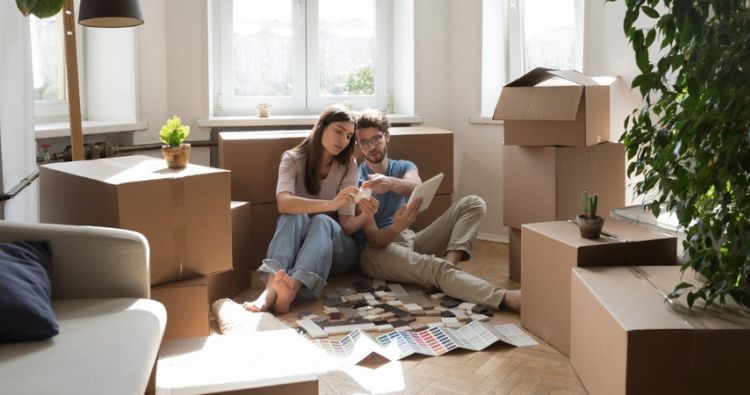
(89, 261)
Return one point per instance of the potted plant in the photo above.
(40, 8)
(173, 134)
(689, 143)
(589, 224)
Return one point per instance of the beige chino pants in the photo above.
(416, 257)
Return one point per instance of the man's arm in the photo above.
(404, 217)
(380, 183)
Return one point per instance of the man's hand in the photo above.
(368, 207)
(345, 196)
(378, 183)
(406, 215)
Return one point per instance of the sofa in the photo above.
(109, 331)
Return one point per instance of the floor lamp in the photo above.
(93, 13)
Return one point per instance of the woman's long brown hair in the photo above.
(312, 147)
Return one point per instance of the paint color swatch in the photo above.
(433, 341)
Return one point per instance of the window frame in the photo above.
(503, 48)
(51, 111)
(306, 98)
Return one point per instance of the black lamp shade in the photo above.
(110, 13)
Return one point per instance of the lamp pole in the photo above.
(71, 72)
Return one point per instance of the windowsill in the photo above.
(62, 129)
(287, 120)
(484, 121)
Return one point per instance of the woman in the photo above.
(318, 176)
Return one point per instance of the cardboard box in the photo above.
(183, 213)
(572, 110)
(253, 157)
(262, 229)
(241, 246)
(234, 364)
(551, 249)
(514, 254)
(545, 183)
(626, 339)
(187, 307)
(440, 204)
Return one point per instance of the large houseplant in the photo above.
(690, 142)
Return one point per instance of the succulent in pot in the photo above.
(589, 224)
(175, 151)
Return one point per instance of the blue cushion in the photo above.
(25, 292)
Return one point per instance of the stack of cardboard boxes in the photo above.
(557, 127)
(184, 214)
(253, 159)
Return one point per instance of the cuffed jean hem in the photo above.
(313, 283)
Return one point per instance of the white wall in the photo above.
(172, 66)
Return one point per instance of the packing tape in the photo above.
(178, 192)
(179, 233)
(179, 230)
(678, 310)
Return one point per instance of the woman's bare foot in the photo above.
(286, 289)
(512, 300)
(266, 299)
(263, 303)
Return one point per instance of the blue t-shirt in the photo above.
(390, 201)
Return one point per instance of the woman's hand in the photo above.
(368, 207)
(345, 196)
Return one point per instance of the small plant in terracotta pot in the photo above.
(589, 224)
(176, 152)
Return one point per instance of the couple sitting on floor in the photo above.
(322, 231)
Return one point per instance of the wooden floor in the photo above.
(499, 369)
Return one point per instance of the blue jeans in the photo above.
(309, 249)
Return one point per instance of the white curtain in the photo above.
(17, 143)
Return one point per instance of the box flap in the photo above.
(533, 77)
(574, 76)
(551, 103)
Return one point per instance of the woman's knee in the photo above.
(323, 221)
(296, 220)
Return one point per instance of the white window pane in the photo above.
(549, 31)
(46, 58)
(263, 47)
(346, 47)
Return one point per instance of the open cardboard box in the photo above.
(561, 108)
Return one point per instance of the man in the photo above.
(429, 257)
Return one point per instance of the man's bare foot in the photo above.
(264, 302)
(286, 290)
(512, 300)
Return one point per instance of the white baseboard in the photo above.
(493, 237)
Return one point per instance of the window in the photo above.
(549, 33)
(48, 65)
(519, 35)
(106, 72)
(300, 55)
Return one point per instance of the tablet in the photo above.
(426, 191)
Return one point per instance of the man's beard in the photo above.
(377, 156)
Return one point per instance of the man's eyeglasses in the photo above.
(371, 142)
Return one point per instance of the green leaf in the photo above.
(40, 8)
(650, 12)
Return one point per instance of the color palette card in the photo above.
(433, 341)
